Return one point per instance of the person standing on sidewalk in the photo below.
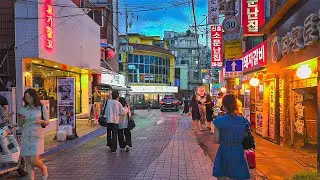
(209, 111)
(230, 161)
(186, 106)
(113, 112)
(195, 114)
(97, 102)
(124, 134)
(34, 118)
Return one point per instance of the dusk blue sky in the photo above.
(149, 21)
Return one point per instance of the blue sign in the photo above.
(234, 66)
(177, 82)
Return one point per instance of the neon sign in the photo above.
(49, 24)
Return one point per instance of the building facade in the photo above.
(49, 48)
(149, 68)
(188, 61)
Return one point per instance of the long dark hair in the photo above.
(35, 96)
(230, 103)
(123, 101)
(194, 98)
(208, 98)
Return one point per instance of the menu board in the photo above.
(66, 102)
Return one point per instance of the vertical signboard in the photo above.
(281, 106)
(253, 16)
(66, 103)
(216, 46)
(213, 12)
(272, 87)
(48, 28)
(247, 105)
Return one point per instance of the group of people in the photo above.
(229, 131)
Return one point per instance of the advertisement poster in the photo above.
(233, 49)
(247, 110)
(66, 102)
(213, 12)
(272, 110)
(259, 118)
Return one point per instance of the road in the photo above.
(164, 147)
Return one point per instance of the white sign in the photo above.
(66, 103)
(114, 80)
(213, 12)
(154, 89)
(231, 25)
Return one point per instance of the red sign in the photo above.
(255, 58)
(252, 16)
(48, 9)
(216, 46)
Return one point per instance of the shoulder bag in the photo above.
(42, 118)
(131, 123)
(248, 140)
(102, 119)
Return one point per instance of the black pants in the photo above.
(112, 134)
(124, 136)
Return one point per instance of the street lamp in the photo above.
(223, 89)
(254, 82)
(304, 72)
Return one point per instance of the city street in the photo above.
(164, 147)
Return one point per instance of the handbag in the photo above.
(131, 123)
(248, 140)
(103, 120)
(42, 118)
(251, 158)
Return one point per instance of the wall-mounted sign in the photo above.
(154, 89)
(216, 46)
(233, 49)
(272, 110)
(115, 80)
(213, 12)
(48, 8)
(252, 16)
(295, 40)
(230, 37)
(231, 25)
(234, 68)
(255, 58)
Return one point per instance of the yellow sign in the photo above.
(233, 49)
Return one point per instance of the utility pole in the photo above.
(115, 8)
(127, 46)
(196, 32)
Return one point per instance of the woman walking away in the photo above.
(195, 114)
(209, 112)
(124, 134)
(230, 160)
(34, 117)
(186, 106)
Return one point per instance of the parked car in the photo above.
(169, 102)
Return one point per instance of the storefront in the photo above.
(294, 56)
(48, 49)
(142, 95)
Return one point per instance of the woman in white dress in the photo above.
(34, 118)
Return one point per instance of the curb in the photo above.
(76, 142)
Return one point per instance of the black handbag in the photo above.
(42, 118)
(248, 140)
(103, 120)
(131, 123)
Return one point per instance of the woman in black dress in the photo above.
(186, 106)
(209, 111)
(195, 114)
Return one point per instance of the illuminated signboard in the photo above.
(48, 24)
(255, 58)
(253, 16)
(216, 46)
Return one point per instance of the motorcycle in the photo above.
(10, 156)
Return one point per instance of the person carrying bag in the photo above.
(102, 119)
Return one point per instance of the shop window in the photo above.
(141, 68)
(130, 58)
(160, 61)
(121, 66)
(130, 78)
(141, 59)
(141, 78)
(135, 78)
(152, 69)
(147, 68)
(156, 60)
(96, 15)
(152, 59)
(136, 58)
(146, 60)
(168, 71)
(163, 70)
(156, 70)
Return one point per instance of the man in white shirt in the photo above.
(113, 112)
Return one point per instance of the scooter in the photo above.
(10, 156)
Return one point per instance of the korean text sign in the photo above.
(255, 58)
(213, 11)
(48, 24)
(252, 16)
(216, 46)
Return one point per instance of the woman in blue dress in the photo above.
(230, 160)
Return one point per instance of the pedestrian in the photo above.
(186, 107)
(4, 110)
(230, 161)
(34, 118)
(219, 103)
(124, 134)
(97, 102)
(113, 112)
(195, 114)
(209, 112)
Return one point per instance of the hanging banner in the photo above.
(252, 16)
(216, 46)
(272, 112)
(233, 49)
(66, 104)
(213, 12)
